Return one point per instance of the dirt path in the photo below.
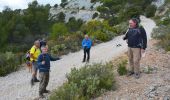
(16, 86)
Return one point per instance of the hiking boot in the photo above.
(130, 73)
(41, 96)
(137, 75)
(36, 80)
(46, 91)
(83, 61)
(32, 82)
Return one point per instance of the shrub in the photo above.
(100, 30)
(121, 28)
(122, 68)
(58, 29)
(86, 82)
(150, 11)
(165, 21)
(65, 44)
(74, 25)
(162, 33)
(83, 8)
(58, 48)
(99, 35)
(9, 62)
(95, 15)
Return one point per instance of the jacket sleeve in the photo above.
(54, 58)
(90, 43)
(126, 35)
(144, 37)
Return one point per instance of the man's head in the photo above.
(44, 49)
(86, 37)
(133, 23)
(37, 43)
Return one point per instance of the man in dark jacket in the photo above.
(44, 69)
(86, 44)
(137, 42)
(43, 42)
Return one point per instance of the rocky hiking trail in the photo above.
(154, 83)
(16, 86)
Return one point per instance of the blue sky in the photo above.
(22, 4)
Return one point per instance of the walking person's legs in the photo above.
(131, 62)
(47, 76)
(84, 59)
(137, 58)
(34, 73)
(88, 54)
(42, 84)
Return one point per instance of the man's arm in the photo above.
(54, 58)
(144, 38)
(126, 35)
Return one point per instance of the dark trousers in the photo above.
(86, 51)
(44, 79)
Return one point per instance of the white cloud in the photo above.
(22, 4)
(13, 4)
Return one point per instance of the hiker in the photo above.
(43, 42)
(86, 44)
(137, 43)
(44, 69)
(34, 53)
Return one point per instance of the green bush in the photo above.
(58, 29)
(57, 48)
(121, 28)
(101, 36)
(150, 11)
(162, 33)
(165, 21)
(100, 30)
(122, 68)
(87, 82)
(9, 62)
(95, 15)
(65, 44)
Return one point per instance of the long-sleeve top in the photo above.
(86, 43)
(47, 58)
(136, 38)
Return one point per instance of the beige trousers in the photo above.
(134, 55)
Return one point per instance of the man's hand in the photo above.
(43, 62)
(142, 51)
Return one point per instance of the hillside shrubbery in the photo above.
(9, 62)
(126, 9)
(100, 30)
(86, 83)
(162, 32)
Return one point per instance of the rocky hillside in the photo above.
(154, 81)
(80, 9)
(85, 9)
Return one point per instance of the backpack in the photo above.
(27, 55)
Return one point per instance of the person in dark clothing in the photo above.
(86, 44)
(137, 43)
(43, 42)
(44, 69)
